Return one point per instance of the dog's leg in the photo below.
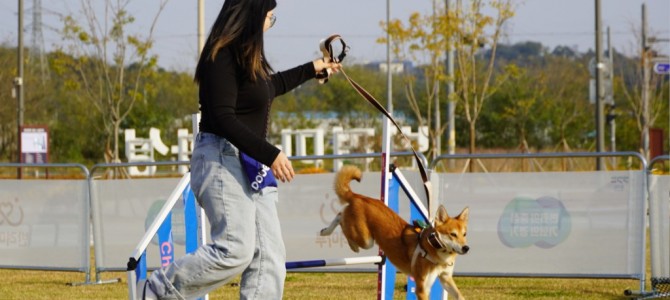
(422, 291)
(328, 230)
(449, 284)
(353, 246)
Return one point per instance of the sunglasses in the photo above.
(273, 19)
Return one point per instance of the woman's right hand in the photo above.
(320, 64)
(282, 168)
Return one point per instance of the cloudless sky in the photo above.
(302, 23)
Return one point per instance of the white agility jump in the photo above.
(136, 270)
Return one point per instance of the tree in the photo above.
(543, 104)
(518, 102)
(519, 52)
(475, 82)
(466, 29)
(634, 85)
(167, 104)
(8, 130)
(569, 115)
(101, 50)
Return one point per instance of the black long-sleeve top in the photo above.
(237, 109)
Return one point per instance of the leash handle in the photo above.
(326, 47)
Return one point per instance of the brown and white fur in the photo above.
(365, 220)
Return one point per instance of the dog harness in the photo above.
(326, 47)
(433, 240)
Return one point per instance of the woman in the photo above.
(237, 86)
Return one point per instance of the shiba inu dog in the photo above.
(423, 253)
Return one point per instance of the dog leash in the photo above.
(326, 47)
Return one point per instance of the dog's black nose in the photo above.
(465, 249)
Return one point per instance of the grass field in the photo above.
(24, 284)
(20, 284)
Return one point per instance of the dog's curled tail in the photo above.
(346, 174)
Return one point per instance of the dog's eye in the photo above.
(454, 235)
(465, 234)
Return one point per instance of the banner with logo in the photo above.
(659, 225)
(44, 224)
(578, 224)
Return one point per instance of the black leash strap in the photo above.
(327, 50)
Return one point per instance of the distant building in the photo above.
(396, 67)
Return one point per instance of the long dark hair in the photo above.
(240, 26)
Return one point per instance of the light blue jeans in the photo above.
(245, 232)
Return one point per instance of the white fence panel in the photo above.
(577, 224)
(659, 218)
(44, 224)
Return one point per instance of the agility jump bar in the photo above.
(333, 262)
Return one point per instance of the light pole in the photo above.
(18, 87)
(201, 25)
(386, 148)
(451, 105)
(645, 86)
(436, 92)
(600, 120)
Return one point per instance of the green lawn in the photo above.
(20, 284)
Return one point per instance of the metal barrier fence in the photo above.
(587, 224)
(149, 191)
(44, 224)
(659, 230)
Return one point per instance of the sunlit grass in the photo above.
(24, 284)
(20, 284)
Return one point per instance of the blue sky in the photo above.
(302, 23)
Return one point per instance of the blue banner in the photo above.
(165, 242)
(141, 269)
(390, 268)
(190, 220)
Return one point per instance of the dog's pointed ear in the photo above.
(464, 215)
(442, 215)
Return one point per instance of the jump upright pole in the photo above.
(386, 150)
